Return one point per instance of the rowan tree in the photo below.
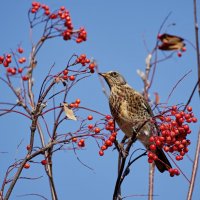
(52, 118)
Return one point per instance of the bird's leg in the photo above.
(120, 147)
(134, 135)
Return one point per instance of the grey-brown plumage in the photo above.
(133, 114)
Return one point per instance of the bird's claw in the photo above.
(122, 151)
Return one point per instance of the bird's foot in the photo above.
(122, 151)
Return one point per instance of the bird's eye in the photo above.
(114, 74)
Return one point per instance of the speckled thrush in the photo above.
(133, 113)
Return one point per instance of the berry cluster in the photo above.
(63, 24)
(80, 143)
(174, 128)
(97, 131)
(108, 143)
(83, 60)
(11, 70)
(75, 104)
(36, 6)
(109, 125)
(87, 66)
(65, 75)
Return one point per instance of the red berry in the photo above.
(155, 157)
(91, 66)
(104, 147)
(62, 8)
(179, 157)
(20, 70)
(166, 148)
(72, 78)
(97, 130)
(194, 119)
(25, 78)
(101, 153)
(167, 119)
(5, 63)
(47, 12)
(26, 165)
(183, 49)
(78, 101)
(44, 162)
(176, 172)
(9, 70)
(81, 143)
(28, 147)
(1, 59)
(108, 117)
(162, 127)
(65, 72)
(20, 50)
(92, 71)
(171, 171)
(158, 143)
(178, 116)
(150, 155)
(13, 71)
(90, 126)
(112, 138)
(179, 54)
(152, 147)
(159, 36)
(114, 134)
(90, 117)
(33, 10)
(174, 108)
(108, 143)
(9, 60)
(83, 56)
(150, 160)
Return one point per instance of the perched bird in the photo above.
(132, 112)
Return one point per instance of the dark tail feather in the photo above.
(162, 163)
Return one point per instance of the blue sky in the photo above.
(119, 33)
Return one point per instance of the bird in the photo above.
(132, 112)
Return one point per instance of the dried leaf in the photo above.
(69, 112)
(170, 42)
(157, 98)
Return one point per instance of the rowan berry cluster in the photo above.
(75, 104)
(108, 142)
(97, 130)
(14, 69)
(174, 129)
(83, 60)
(87, 66)
(60, 22)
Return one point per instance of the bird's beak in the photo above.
(102, 74)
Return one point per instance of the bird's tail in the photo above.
(162, 163)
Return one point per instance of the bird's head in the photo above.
(113, 78)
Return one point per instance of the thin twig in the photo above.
(195, 168)
(151, 180)
(197, 41)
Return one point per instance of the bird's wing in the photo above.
(143, 102)
(147, 107)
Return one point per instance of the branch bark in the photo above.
(195, 168)
(197, 41)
